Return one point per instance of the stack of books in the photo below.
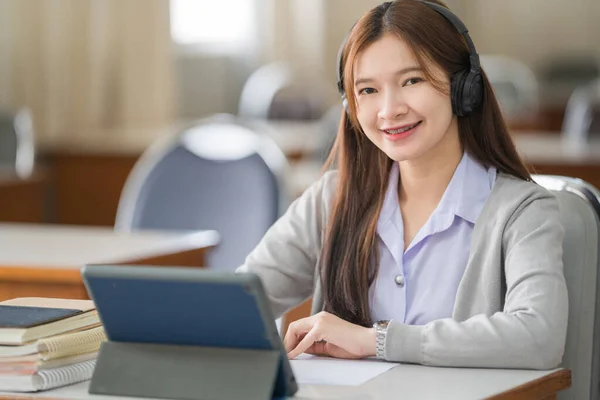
(47, 343)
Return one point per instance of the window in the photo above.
(210, 22)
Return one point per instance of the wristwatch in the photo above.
(381, 328)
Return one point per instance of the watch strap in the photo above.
(381, 328)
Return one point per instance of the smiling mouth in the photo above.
(402, 130)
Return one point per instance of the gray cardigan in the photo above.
(511, 305)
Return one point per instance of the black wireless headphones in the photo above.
(466, 87)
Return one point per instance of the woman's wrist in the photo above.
(369, 342)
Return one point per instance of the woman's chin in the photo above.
(402, 154)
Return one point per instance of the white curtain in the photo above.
(85, 67)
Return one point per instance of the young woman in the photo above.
(430, 243)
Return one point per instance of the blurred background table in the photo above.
(45, 260)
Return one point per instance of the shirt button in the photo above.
(399, 279)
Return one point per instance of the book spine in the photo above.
(56, 377)
(72, 344)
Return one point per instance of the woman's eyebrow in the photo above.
(397, 73)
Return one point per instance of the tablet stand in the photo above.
(184, 372)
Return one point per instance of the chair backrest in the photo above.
(580, 211)
(515, 85)
(330, 123)
(217, 174)
(17, 143)
(569, 71)
(282, 91)
(582, 115)
(295, 102)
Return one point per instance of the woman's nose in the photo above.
(392, 105)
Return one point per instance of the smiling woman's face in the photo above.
(402, 113)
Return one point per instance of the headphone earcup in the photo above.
(456, 92)
(345, 104)
(466, 90)
(472, 92)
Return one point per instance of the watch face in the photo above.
(382, 324)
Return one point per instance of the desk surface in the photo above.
(305, 138)
(551, 148)
(403, 381)
(303, 142)
(45, 260)
(70, 247)
(295, 138)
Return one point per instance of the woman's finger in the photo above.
(305, 344)
(318, 349)
(296, 331)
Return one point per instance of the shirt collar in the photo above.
(464, 197)
(467, 191)
(390, 201)
(476, 183)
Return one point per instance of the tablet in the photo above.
(187, 306)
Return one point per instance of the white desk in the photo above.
(45, 260)
(296, 139)
(552, 148)
(304, 138)
(301, 139)
(546, 151)
(401, 382)
(293, 137)
(64, 246)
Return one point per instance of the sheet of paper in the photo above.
(313, 370)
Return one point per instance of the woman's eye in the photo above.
(366, 91)
(412, 81)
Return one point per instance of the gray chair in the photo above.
(582, 115)
(515, 85)
(17, 143)
(218, 174)
(580, 211)
(283, 92)
(330, 123)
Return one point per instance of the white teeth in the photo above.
(396, 131)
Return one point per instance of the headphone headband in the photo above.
(461, 28)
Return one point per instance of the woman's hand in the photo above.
(326, 334)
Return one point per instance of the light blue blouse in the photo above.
(419, 285)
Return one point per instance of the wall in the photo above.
(535, 30)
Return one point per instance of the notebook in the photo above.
(64, 345)
(28, 367)
(49, 378)
(29, 318)
(26, 317)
